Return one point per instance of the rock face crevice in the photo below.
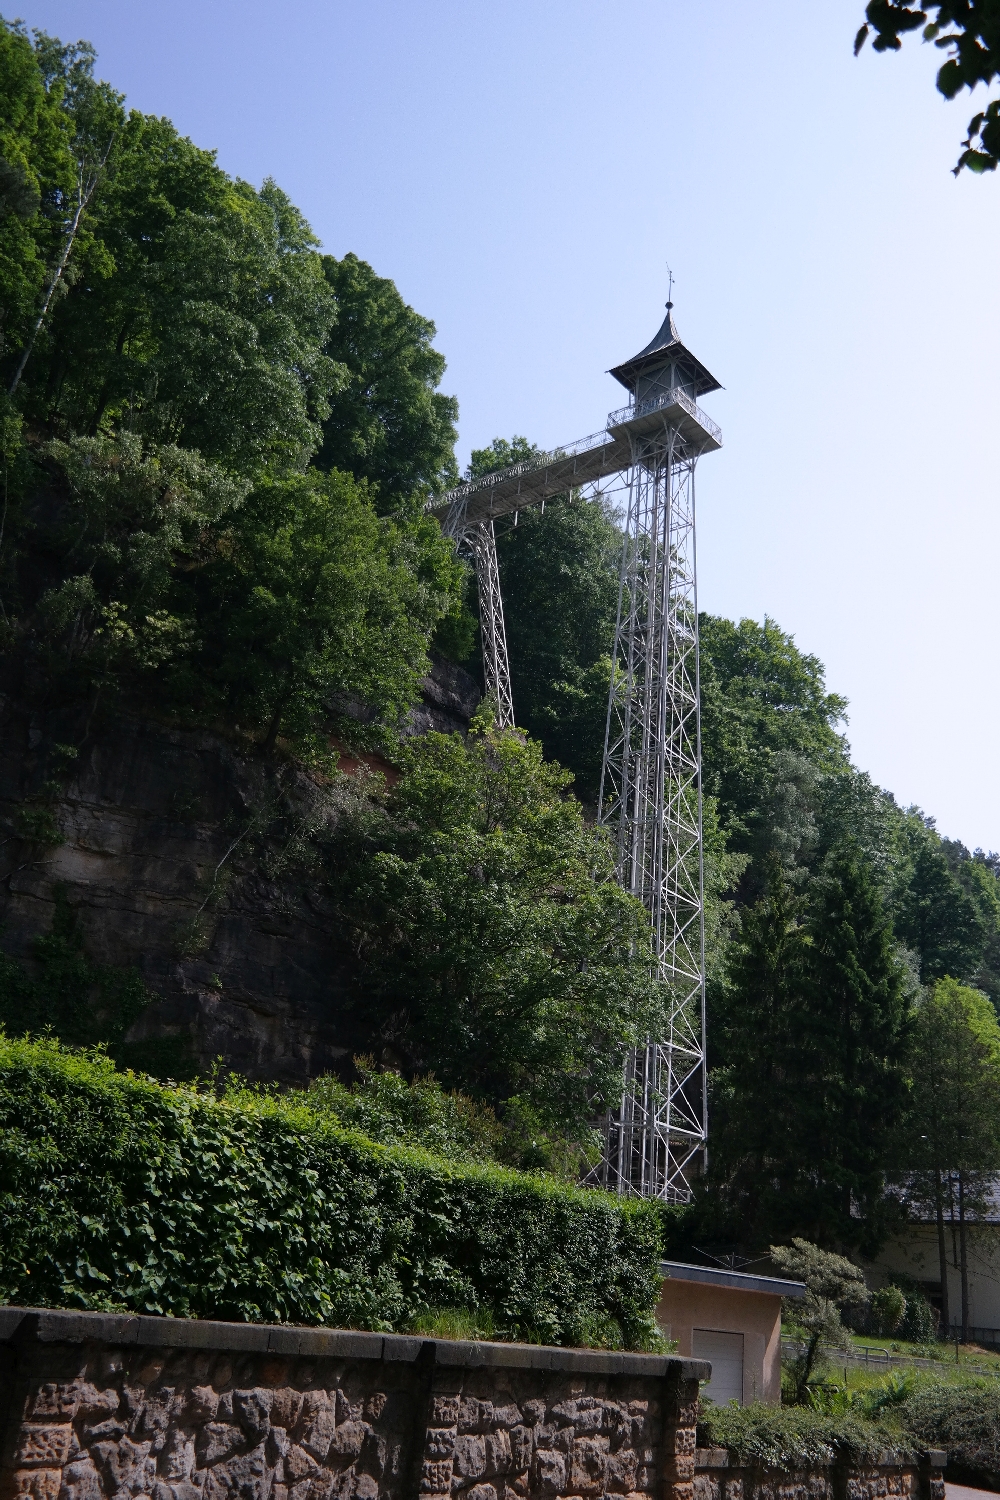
(158, 860)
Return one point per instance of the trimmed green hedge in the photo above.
(795, 1437)
(117, 1191)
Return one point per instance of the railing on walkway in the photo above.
(674, 397)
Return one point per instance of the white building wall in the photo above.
(916, 1254)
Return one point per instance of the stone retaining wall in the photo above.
(106, 1407)
(716, 1479)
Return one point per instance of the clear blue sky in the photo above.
(524, 170)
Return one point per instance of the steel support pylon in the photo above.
(650, 801)
(496, 670)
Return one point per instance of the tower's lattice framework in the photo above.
(651, 801)
(651, 780)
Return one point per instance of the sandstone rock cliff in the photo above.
(159, 862)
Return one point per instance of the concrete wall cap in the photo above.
(55, 1326)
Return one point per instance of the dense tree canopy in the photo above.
(164, 532)
(812, 1035)
(500, 949)
(387, 421)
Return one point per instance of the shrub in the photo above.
(387, 1108)
(920, 1321)
(963, 1419)
(793, 1437)
(119, 1192)
(887, 1309)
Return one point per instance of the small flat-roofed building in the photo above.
(732, 1319)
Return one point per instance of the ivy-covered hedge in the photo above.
(117, 1191)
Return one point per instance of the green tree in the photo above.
(768, 735)
(812, 1030)
(314, 600)
(977, 873)
(970, 31)
(387, 423)
(498, 947)
(759, 1069)
(833, 1284)
(858, 1022)
(953, 1137)
(122, 523)
(159, 292)
(37, 172)
(935, 913)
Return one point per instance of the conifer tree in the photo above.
(756, 1090)
(814, 1030)
(858, 1020)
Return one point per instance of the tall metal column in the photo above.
(651, 801)
(496, 670)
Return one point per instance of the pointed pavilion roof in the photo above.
(666, 345)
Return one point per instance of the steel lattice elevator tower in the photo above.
(650, 798)
(651, 778)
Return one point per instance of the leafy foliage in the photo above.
(833, 1284)
(118, 1191)
(970, 31)
(387, 421)
(792, 1437)
(498, 946)
(768, 731)
(193, 309)
(952, 1146)
(964, 1420)
(37, 173)
(313, 598)
(388, 1108)
(82, 1002)
(162, 533)
(887, 1310)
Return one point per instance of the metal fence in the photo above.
(884, 1359)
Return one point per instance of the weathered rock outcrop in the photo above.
(160, 863)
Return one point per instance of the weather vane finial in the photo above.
(670, 286)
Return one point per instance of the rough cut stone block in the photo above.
(622, 1469)
(39, 1484)
(550, 1471)
(470, 1456)
(520, 1449)
(444, 1411)
(217, 1440)
(44, 1445)
(498, 1452)
(435, 1477)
